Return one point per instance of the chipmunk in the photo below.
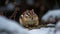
(29, 18)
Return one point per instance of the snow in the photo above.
(58, 26)
(51, 15)
(50, 24)
(14, 28)
(42, 31)
(11, 26)
(58, 32)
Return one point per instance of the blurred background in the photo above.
(13, 9)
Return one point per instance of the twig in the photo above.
(14, 14)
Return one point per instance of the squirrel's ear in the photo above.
(32, 10)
